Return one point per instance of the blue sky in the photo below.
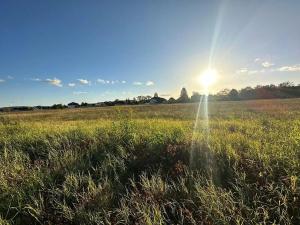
(62, 51)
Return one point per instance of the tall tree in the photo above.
(183, 96)
(233, 94)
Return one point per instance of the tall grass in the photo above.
(132, 168)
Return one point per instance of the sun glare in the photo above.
(208, 77)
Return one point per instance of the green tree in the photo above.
(233, 94)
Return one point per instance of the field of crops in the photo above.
(147, 165)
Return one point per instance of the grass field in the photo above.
(133, 165)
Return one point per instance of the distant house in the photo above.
(73, 105)
(157, 100)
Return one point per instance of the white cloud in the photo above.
(84, 81)
(267, 64)
(117, 82)
(54, 82)
(149, 83)
(249, 72)
(267, 69)
(1, 80)
(137, 83)
(242, 70)
(293, 68)
(101, 81)
(264, 63)
(10, 77)
(79, 92)
(71, 84)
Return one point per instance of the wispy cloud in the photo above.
(292, 68)
(36, 79)
(84, 81)
(79, 92)
(101, 81)
(149, 83)
(263, 62)
(249, 72)
(137, 83)
(242, 70)
(7, 78)
(54, 82)
(267, 64)
(267, 69)
(71, 84)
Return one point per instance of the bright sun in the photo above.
(208, 77)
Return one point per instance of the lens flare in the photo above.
(201, 154)
(208, 77)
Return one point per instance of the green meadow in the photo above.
(147, 165)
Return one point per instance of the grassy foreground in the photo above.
(132, 165)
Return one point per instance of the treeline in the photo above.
(283, 90)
